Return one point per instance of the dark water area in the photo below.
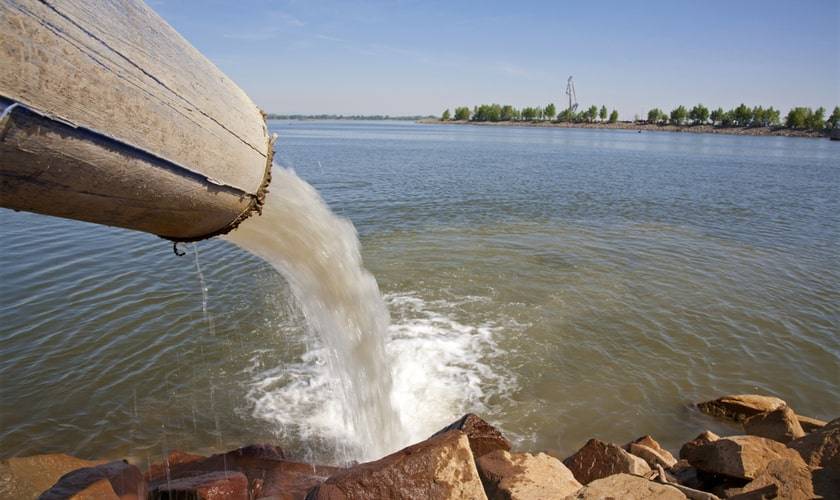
(563, 283)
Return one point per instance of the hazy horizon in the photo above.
(418, 58)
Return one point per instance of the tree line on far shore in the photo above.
(741, 116)
(505, 113)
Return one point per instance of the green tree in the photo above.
(772, 117)
(759, 117)
(565, 116)
(614, 116)
(743, 115)
(653, 115)
(445, 116)
(550, 111)
(462, 113)
(487, 113)
(798, 117)
(591, 113)
(699, 114)
(816, 121)
(678, 115)
(529, 113)
(508, 113)
(602, 114)
(728, 119)
(834, 119)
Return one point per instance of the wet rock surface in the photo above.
(483, 437)
(779, 425)
(266, 470)
(113, 480)
(472, 459)
(821, 448)
(520, 476)
(740, 457)
(220, 485)
(442, 467)
(627, 487)
(28, 477)
(740, 407)
(597, 459)
(649, 450)
(789, 478)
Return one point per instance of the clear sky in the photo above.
(419, 57)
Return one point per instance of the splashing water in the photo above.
(319, 255)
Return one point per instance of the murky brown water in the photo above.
(564, 283)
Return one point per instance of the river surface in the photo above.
(562, 283)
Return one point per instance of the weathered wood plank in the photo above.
(117, 68)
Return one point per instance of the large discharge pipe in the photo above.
(108, 115)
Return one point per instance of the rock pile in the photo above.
(779, 455)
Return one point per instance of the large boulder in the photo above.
(740, 457)
(219, 485)
(821, 448)
(651, 452)
(741, 406)
(28, 477)
(779, 425)
(523, 476)
(113, 480)
(442, 467)
(788, 478)
(627, 487)
(705, 437)
(483, 437)
(267, 471)
(597, 459)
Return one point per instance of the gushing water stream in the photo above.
(319, 255)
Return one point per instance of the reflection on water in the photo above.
(565, 283)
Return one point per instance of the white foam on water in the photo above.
(440, 369)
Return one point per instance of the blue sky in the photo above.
(419, 57)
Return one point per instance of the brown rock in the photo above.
(740, 407)
(27, 477)
(791, 477)
(173, 460)
(441, 467)
(821, 448)
(267, 472)
(220, 485)
(627, 487)
(651, 452)
(826, 483)
(523, 476)
(685, 474)
(704, 438)
(483, 437)
(779, 425)
(114, 480)
(768, 492)
(741, 457)
(597, 459)
(810, 424)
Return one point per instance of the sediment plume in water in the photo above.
(319, 255)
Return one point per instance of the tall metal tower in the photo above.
(570, 91)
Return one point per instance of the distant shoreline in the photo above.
(695, 129)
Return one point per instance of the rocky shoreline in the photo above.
(779, 454)
(646, 127)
